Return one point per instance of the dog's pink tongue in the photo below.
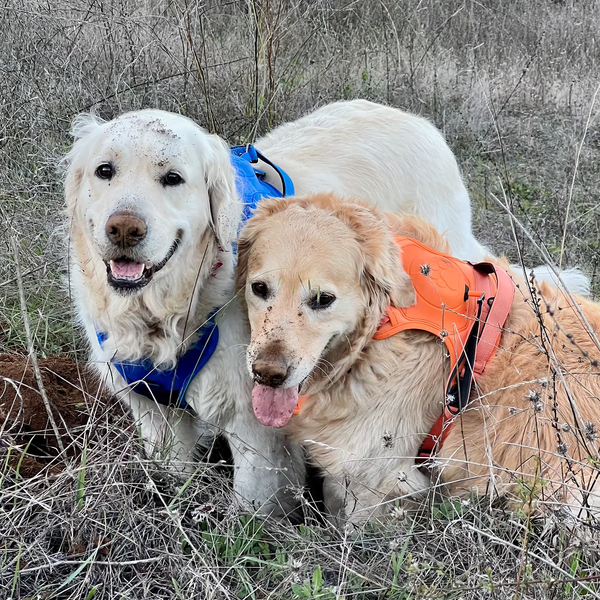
(274, 406)
(126, 269)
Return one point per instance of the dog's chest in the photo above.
(224, 387)
(363, 438)
(381, 410)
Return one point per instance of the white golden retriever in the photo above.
(154, 211)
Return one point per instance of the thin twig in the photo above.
(30, 344)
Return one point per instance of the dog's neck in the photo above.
(160, 323)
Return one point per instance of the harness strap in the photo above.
(169, 387)
(301, 401)
(253, 155)
(458, 392)
(484, 339)
(460, 381)
(287, 186)
(498, 309)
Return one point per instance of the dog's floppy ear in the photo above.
(225, 207)
(244, 244)
(382, 266)
(266, 208)
(82, 128)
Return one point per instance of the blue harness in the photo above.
(250, 181)
(169, 387)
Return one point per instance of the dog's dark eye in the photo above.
(172, 178)
(260, 289)
(321, 300)
(105, 171)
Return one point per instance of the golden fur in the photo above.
(531, 427)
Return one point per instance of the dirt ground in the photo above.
(28, 444)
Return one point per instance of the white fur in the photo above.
(377, 154)
(359, 149)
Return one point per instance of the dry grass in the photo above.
(510, 83)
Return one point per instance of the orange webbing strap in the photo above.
(494, 321)
(435, 438)
(458, 390)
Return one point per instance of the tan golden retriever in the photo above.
(318, 274)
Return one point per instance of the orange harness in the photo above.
(464, 304)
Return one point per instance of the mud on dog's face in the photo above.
(143, 186)
(304, 274)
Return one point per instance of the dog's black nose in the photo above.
(125, 230)
(269, 372)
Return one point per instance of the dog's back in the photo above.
(538, 406)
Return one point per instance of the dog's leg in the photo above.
(334, 498)
(349, 502)
(357, 501)
(168, 435)
(269, 469)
